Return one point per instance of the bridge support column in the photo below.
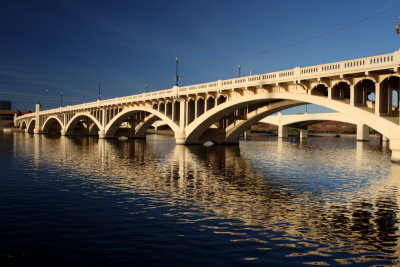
(378, 99)
(282, 131)
(38, 125)
(180, 138)
(394, 145)
(352, 95)
(102, 135)
(384, 138)
(362, 132)
(303, 134)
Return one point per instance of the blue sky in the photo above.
(51, 46)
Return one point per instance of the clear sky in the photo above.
(51, 46)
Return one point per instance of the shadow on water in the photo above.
(324, 201)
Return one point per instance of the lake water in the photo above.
(89, 202)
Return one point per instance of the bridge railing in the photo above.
(299, 73)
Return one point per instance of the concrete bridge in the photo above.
(364, 89)
(301, 121)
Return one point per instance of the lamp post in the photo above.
(61, 98)
(147, 88)
(99, 95)
(239, 68)
(176, 71)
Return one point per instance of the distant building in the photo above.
(9, 114)
(319, 127)
(5, 105)
(332, 127)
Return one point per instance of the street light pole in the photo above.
(176, 71)
(147, 88)
(61, 96)
(239, 67)
(99, 95)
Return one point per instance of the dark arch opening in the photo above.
(200, 107)
(82, 126)
(389, 96)
(320, 90)
(177, 111)
(161, 107)
(168, 108)
(191, 111)
(341, 91)
(210, 103)
(221, 99)
(364, 91)
(52, 127)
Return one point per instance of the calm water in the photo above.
(89, 202)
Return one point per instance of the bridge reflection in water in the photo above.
(302, 201)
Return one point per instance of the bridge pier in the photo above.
(362, 132)
(38, 126)
(394, 146)
(282, 131)
(303, 133)
(102, 135)
(180, 138)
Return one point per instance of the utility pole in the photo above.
(176, 71)
(239, 67)
(61, 98)
(99, 95)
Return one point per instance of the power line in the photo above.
(321, 35)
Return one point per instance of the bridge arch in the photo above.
(233, 135)
(72, 124)
(31, 126)
(52, 124)
(112, 127)
(141, 128)
(22, 124)
(202, 123)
